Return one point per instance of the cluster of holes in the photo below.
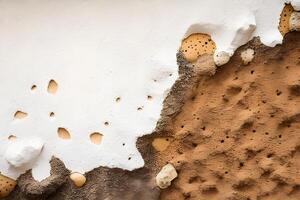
(196, 45)
(284, 19)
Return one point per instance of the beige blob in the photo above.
(96, 137)
(196, 45)
(161, 144)
(78, 179)
(20, 115)
(165, 176)
(295, 21)
(63, 133)
(7, 185)
(52, 87)
(247, 56)
(285, 18)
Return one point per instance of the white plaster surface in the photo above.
(100, 50)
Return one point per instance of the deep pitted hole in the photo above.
(253, 131)
(123, 144)
(149, 97)
(106, 123)
(51, 114)
(226, 172)
(252, 71)
(278, 92)
(203, 128)
(269, 155)
(280, 136)
(266, 133)
(241, 164)
(222, 141)
(129, 158)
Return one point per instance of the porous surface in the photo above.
(284, 21)
(237, 137)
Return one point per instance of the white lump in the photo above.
(23, 151)
(221, 58)
(295, 21)
(247, 56)
(165, 176)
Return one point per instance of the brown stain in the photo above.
(96, 137)
(63, 133)
(161, 144)
(20, 115)
(285, 16)
(196, 45)
(52, 87)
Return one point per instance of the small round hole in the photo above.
(51, 114)
(12, 137)
(33, 87)
(106, 123)
(118, 99)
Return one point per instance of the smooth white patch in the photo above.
(23, 152)
(100, 51)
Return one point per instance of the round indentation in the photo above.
(196, 45)
(106, 123)
(51, 114)
(139, 108)
(96, 137)
(33, 87)
(63, 133)
(52, 87)
(20, 115)
(12, 137)
(118, 99)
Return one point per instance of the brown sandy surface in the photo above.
(233, 135)
(237, 136)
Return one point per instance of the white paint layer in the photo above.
(100, 51)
